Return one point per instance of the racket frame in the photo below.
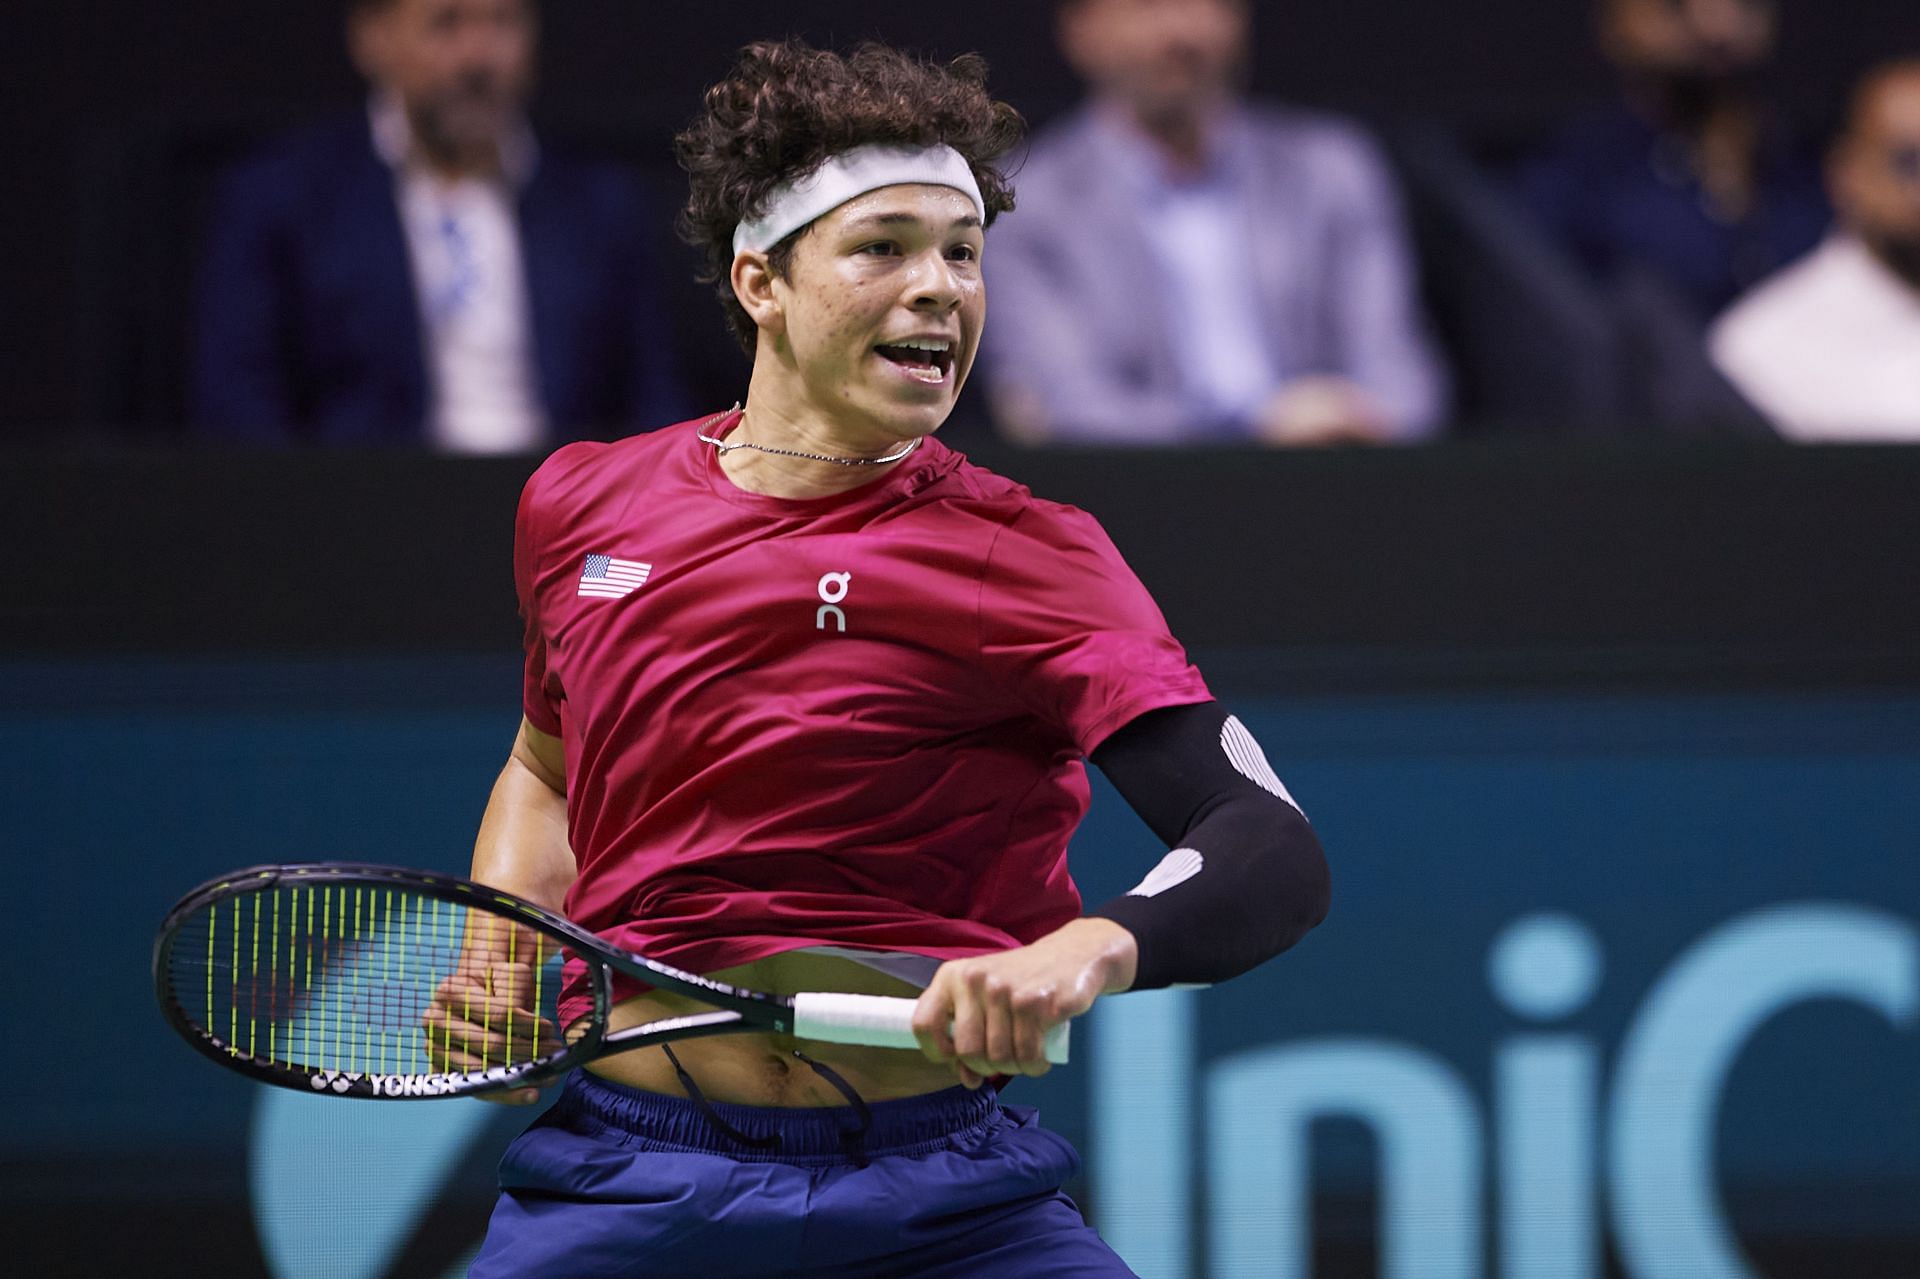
(736, 1009)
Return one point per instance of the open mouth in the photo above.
(925, 359)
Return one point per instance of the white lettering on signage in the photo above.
(1679, 1051)
(1548, 1112)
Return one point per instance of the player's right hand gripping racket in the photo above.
(374, 981)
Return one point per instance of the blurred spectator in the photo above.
(1829, 349)
(1685, 176)
(423, 270)
(1187, 265)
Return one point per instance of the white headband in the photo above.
(856, 172)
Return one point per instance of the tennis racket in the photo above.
(374, 981)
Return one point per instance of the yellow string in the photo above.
(486, 1015)
(293, 968)
(357, 1050)
(273, 1048)
(386, 977)
(448, 918)
(404, 1045)
(253, 978)
(326, 935)
(233, 985)
(426, 960)
(306, 1024)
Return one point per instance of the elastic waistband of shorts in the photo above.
(908, 1126)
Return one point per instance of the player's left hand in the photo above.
(989, 1015)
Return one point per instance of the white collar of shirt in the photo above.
(1829, 349)
(1872, 284)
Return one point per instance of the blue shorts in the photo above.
(614, 1181)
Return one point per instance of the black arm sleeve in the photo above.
(1246, 878)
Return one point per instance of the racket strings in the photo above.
(364, 980)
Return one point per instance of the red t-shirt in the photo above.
(854, 721)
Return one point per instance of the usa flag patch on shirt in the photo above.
(609, 578)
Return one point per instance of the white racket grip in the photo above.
(879, 1021)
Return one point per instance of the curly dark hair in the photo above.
(786, 108)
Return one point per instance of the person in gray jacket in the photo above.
(1186, 265)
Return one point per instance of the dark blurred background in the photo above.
(118, 118)
(1610, 722)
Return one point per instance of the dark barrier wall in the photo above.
(1615, 755)
(1502, 562)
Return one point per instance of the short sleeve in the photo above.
(1068, 628)
(540, 691)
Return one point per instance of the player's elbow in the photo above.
(1305, 888)
(1319, 889)
(1282, 890)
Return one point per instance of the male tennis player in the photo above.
(807, 702)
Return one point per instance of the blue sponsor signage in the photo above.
(1625, 981)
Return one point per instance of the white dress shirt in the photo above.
(1828, 348)
(1197, 226)
(463, 240)
(1132, 306)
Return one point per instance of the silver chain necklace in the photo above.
(700, 433)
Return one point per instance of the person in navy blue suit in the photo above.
(1686, 176)
(424, 272)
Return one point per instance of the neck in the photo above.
(770, 423)
(1183, 136)
(1899, 254)
(456, 165)
(1691, 105)
(1719, 131)
(449, 159)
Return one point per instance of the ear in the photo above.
(754, 281)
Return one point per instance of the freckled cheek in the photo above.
(823, 325)
(850, 321)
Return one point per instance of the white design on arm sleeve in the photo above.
(1177, 867)
(1250, 761)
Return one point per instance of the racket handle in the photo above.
(879, 1021)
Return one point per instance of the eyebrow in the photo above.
(907, 219)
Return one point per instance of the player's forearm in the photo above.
(522, 846)
(1103, 949)
(989, 1015)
